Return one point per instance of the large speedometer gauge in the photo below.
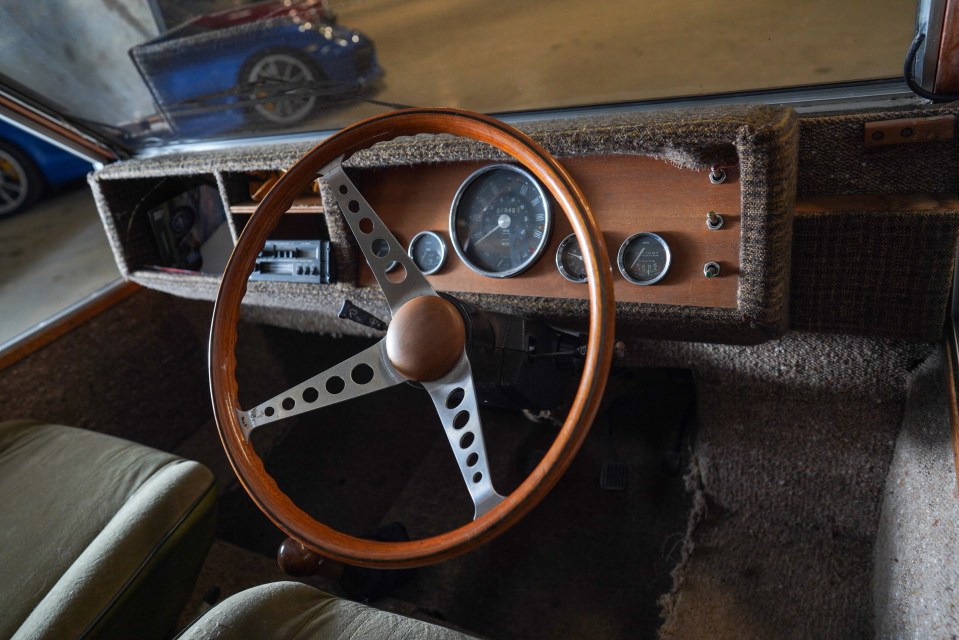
(500, 221)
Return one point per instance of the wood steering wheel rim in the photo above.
(222, 360)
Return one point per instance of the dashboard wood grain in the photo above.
(627, 194)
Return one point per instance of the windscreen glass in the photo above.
(150, 72)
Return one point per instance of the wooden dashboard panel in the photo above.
(627, 194)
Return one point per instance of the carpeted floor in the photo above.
(136, 372)
(777, 538)
(587, 562)
(791, 504)
(795, 443)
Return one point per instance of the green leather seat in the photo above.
(295, 611)
(99, 537)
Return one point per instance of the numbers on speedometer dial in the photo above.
(500, 221)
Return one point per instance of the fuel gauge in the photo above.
(569, 260)
(428, 251)
(644, 258)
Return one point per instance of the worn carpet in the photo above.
(778, 537)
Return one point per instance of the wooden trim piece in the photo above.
(50, 330)
(627, 194)
(57, 129)
(947, 69)
(879, 203)
(909, 130)
(301, 204)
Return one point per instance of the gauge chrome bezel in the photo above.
(547, 227)
(563, 245)
(622, 250)
(417, 238)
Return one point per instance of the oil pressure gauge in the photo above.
(569, 260)
(428, 252)
(644, 258)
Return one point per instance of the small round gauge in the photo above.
(428, 252)
(500, 221)
(644, 258)
(569, 260)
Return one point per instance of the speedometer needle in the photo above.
(502, 223)
(638, 256)
(488, 234)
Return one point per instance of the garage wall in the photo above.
(75, 51)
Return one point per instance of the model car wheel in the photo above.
(284, 85)
(20, 183)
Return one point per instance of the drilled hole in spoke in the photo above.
(335, 385)
(461, 419)
(477, 477)
(472, 460)
(269, 411)
(310, 394)
(362, 373)
(366, 225)
(398, 275)
(467, 440)
(343, 189)
(380, 248)
(353, 206)
(455, 397)
(288, 403)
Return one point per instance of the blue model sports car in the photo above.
(270, 62)
(29, 165)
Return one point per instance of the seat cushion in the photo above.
(101, 537)
(295, 611)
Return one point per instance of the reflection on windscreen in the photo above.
(264, 65)
(151, 71)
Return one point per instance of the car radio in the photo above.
(295, 261)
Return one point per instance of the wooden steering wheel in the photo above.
(421, 321)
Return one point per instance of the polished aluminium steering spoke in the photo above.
(368, 371)
(377, 243)
(453, 394)
(455, 401)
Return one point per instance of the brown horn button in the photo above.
(426, 338)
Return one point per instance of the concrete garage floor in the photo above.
(51, 256)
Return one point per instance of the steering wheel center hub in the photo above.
(426, 338)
